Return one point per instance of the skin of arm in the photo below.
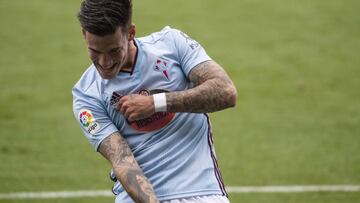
(117, 151)
(213, 91)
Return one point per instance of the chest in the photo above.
(153, 74)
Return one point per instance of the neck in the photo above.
(130, 58)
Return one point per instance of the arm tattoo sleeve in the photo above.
(213, 91)
(115, 149)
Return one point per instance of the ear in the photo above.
(132, 32)
(83, 32)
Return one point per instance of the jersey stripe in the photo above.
(216, 167)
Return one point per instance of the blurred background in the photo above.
(295, 64)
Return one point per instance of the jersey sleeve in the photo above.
(92, 117)
(190, 52)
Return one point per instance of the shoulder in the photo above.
(166, 34)
(89, 78)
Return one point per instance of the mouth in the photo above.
(108, 72)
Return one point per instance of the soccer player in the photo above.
(142, 104)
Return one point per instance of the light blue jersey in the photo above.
(175, 150)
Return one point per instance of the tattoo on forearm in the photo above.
(213, 91)
(127, 171)
(139, 184)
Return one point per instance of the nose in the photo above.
(105, 61)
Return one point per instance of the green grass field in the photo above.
(295, 64)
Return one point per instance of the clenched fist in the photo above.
(136, 107)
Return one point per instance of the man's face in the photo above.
(108, 53)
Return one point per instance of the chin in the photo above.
(107, 76)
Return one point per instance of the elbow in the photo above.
(232, 96)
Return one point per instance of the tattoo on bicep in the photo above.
(208, 70)
(106, 148)
(126, 155)
(116, 149)
(211, 92)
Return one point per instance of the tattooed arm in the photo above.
(116, 150)
(213, 91)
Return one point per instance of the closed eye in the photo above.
(115, 50)
(94, 50)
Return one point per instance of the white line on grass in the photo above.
(294, 188)
(230, 189)
(57, 194)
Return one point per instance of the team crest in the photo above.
(163, 67)
(88, 122)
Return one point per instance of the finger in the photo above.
(120, 103)
(130, 119)
(133, 117)
(118, 106)
(123, 99)
(127, 113)
(124, 107)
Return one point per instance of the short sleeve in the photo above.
(190, 52)
(92, 117)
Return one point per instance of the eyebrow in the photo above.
(114, 49)
(94, 50)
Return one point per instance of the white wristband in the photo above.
(160, 102)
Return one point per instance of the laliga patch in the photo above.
(88, 122)
(93, 128)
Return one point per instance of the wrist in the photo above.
(160, 102)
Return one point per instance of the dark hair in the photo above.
(103, 17)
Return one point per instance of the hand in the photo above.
(136, 107)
